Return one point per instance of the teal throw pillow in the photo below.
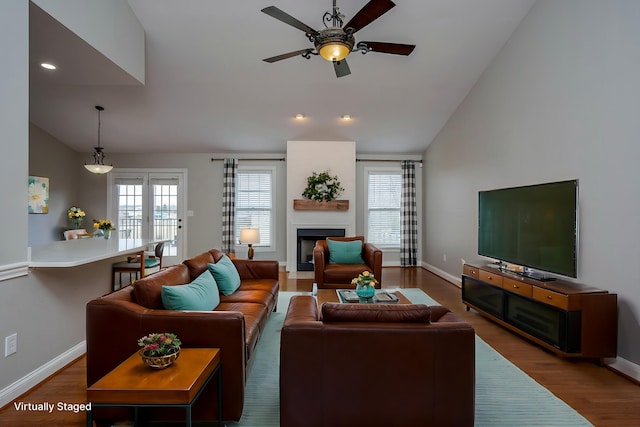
(200, 295)
(345, 252)
(226, 275)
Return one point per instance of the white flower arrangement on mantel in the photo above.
(321, 193)
(322, 187)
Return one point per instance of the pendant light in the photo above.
(98, 167)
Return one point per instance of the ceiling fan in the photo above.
(336, 40)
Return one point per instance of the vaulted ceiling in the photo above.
(207, 89)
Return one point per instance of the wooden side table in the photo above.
(134, 384)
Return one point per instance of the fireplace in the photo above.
(306, 240)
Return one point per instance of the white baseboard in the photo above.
(450, 277)
(32, 379)
(625, 367)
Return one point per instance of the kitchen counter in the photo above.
(73, 253)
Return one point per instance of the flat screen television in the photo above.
(534, 226)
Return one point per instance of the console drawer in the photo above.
(470, 271)
(516, 287)
(492, 278)
(552, 298)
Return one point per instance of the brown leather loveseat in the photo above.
(116, 321)
(375, 365)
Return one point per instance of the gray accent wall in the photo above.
(560, 101)
(50, 158)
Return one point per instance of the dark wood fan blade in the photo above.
(287, 55)
(288, 19)
(369, 13)
(393, 48)
(342, 68)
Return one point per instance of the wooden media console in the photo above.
(569, 319)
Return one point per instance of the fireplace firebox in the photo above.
(306, 240)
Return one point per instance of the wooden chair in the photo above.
(140, 269)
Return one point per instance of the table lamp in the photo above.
(250, 236)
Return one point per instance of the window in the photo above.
(383, 207)
(254, 203)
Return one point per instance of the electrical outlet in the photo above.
(444, 257)
(10, 344)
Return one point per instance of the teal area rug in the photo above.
(505, 395)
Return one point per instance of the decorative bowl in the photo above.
(159, 362)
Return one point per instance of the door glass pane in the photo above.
(165, 216)
(129, 211)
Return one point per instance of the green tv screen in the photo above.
(533, 226)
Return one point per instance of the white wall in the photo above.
(304, 158)
(560, 101)
(93, 22)
(14, 122)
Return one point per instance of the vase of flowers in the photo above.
(105, 226)
(365, 286)
(159, 350)
(76, 216)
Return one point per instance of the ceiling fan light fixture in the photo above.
(98, 167)
(336, 41)
(334, 51)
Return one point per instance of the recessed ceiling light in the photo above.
(48, 66)
(346, 117)
(299, 116)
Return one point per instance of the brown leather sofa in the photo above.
(375, 365)
(116, 321)
(336, 276)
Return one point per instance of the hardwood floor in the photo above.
(603, 397)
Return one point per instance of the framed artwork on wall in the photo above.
(38, 195)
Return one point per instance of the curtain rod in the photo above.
(280, 159)
(386, 160)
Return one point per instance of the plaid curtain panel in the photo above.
(408, 216)
(230, 169)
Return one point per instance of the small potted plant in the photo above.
(159, 350)
(365, 286)
(105, 226)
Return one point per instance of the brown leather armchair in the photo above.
(375, 365)
(334, 276)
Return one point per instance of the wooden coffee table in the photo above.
(134, 384)
(331, 295)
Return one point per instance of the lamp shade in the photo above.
(249, 235)
(98, 169)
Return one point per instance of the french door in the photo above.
(149, 204)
